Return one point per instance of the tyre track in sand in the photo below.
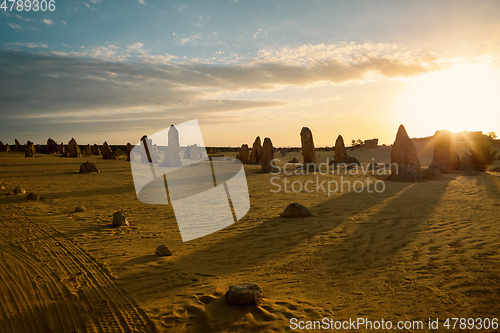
(39, 302)
(82, 295)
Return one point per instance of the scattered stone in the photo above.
(31, 145)
(172, 157)
(51, 146)
(445, 156)
(95, 150)
(192, 153)
(30, 152)
(60, 149)
(88, 150)
(119, 219)
(163, 251)
(296, 210)
(129, 150)
(340, 154)
(244, 155)
(293, 160)
(147, 145)
(4, 147)
(118, 153)
(88, 167)
(405, 165)
(244, 294)
(256, 154)
(267, 159)
(80, 209)
(308, 153)
(73, 149)
(33, 196)
(19, 190)
(20, 148)
(107, 153)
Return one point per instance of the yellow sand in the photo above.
(416, 251)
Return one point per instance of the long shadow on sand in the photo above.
(407, 204)
(491, 182)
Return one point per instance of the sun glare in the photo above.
(465, 97)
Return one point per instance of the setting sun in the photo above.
(459, 98)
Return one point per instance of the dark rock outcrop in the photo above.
(256, 153)
(445, 158)
(244, 155)
(308, 152)
(296, 210)
(88, 167)
(163, 251)
(267, 159)
(244, 294)
(172, 157)
(405, 165)
(119, 219)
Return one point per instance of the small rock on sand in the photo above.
(119, 219)
(19, 190)
(33, 196)
(296, 210)
(244, 294)
(163, 251)
(80, 209)
(293, 160)
(88, 167)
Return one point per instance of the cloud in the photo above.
(190, 39)
(15, 26)
(48, 21)
(55, 86)
(260, 33)
(99, 84)
(28, 45)
(142, 2)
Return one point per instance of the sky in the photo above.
(101, 70)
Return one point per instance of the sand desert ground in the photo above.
(415, 251)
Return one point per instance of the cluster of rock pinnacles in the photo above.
(405, 163)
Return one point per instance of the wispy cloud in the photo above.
(15, 26)
(190, 39)
(142, 2)
(48, 21)
(260, 33)
(27, 45)
(106, 81)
